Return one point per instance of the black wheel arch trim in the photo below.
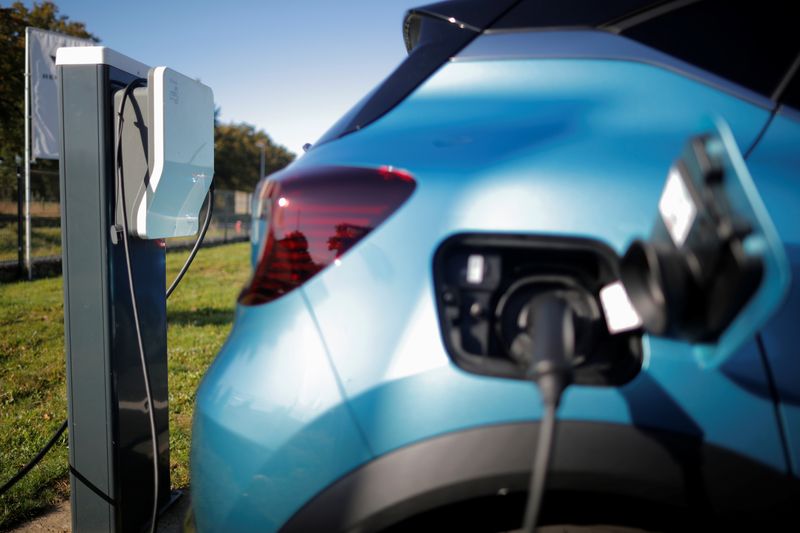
(591, 457)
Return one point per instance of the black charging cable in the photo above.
(200, 238)
(145, 371)
(27, 468)
(551, 332)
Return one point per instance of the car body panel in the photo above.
(268, 404)
(531, 146)
(774, 165)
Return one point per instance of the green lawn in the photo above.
(45, 240)
(32, 370)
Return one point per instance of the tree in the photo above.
(13, 21)
(237, 155)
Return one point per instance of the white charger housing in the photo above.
(167, 179)
(181, 155)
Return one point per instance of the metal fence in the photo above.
(230, 223)
(45, 219)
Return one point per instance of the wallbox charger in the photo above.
(181, 148)
(168, 176)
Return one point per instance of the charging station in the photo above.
(168, 167)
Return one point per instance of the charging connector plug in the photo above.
(551, 339)
(552, 333)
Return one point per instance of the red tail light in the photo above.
(314, 217)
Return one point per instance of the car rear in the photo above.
(513, 121)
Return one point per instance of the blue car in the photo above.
(376, 376)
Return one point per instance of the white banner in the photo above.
(42, 46)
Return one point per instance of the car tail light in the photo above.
(314, 217)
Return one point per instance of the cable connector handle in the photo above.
(551, 329)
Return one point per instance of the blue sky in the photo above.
(290, 67)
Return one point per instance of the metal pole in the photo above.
(28, 156)
(263, 157)
(263, 147)
(261, 171)
(20, 238)
(105, 434)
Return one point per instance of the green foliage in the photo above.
(237, 156)
(32, 370)
(13, 21)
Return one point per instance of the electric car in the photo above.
(377, 377)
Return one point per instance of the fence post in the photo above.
(28, 265)
(20, 237)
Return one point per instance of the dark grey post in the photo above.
(20, 230)
(109, 451)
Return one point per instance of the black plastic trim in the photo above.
(653, 11)
(443, 18)
(791, 74)
(478, 14)
(669, 469)
(749, 44)
(565, 13)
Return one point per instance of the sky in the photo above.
(289, 67)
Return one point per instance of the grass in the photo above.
(46, 237)
(45, 240)
(32, 370)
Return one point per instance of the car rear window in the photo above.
(791, 96)
(569, 13)
(750, 43)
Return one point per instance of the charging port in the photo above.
(485, 283)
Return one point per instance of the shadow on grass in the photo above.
(203, 316)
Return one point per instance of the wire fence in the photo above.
(230, 223)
